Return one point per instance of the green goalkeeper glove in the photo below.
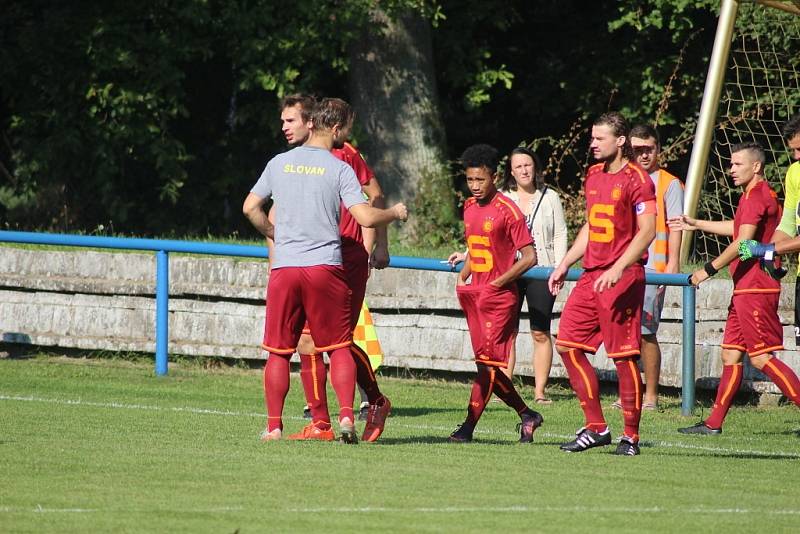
(750, 248)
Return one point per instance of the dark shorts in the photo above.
(753, 325)
(540, 303)
(318, 294)
(492, 319)
(613, 317)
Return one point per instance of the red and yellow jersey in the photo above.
(759, 207)
(349, 228)
(613, 203)
(494, 233)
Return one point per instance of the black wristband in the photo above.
(709, 269)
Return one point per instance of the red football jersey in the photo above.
(349, 228)
(758, 207)
(613, 202)
(494, 233)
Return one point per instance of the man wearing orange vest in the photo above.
(663, 254)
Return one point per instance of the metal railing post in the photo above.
(162, 311)
(687, 387)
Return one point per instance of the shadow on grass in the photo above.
(442, 439)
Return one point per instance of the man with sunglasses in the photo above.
(663, 254)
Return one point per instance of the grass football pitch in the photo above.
(105, 446)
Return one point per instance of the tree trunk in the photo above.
(393, 90)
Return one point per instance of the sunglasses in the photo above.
(643, 149)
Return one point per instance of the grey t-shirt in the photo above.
(308, 185)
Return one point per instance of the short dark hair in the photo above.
(754, 148)
(791, 128)
(645, 131)
(480, 156)
(509, 183)
(329, 112)
(306, 103)
(619, 127)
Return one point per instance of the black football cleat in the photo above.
(306, 412)
(363, 411)
(462, 434)
(531, 420)
(586, 439)
(701, 429)
(627, 447)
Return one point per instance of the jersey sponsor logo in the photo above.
(640, 208)
(303, 169)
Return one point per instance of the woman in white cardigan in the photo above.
(524, 184)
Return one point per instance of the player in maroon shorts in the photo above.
(307, 280)
(356, 242)
(753, 325)
(495, 231)
(606, 304)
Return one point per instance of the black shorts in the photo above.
(540, 302)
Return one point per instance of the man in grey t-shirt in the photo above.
(307, 279)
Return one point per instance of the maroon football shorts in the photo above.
(613, 317)
(492, 318)
(319, 294)
(753, 325)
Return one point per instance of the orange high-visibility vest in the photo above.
(660, 247)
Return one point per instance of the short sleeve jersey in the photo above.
(790, 221)
(349, 228)
(613, 203)
(309, 185)
(494, 232)
(758, 207)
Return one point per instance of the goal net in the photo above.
(761, 91)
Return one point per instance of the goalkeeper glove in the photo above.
(751, 248)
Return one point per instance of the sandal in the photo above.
(617, 405)
(543, 400)
(650, 406)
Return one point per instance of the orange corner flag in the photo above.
(366, 337)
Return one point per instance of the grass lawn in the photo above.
(106, 446)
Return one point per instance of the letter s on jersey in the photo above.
(480, 259)
(601, 227)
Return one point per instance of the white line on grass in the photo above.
(540, 509)
(39, 509)
(439, 429)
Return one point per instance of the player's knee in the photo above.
(305, 345)
(540, 336)
(761, 360)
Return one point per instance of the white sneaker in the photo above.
(275, 435)
(347, 431)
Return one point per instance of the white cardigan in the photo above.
(549, 227)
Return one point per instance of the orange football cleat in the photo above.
(311, 432)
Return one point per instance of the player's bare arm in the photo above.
(731, 252)
(465, 273)
(684, 222)
(379, 247)
(519, 268)
(253, 209)
(371, 217)
(646, 223)
(270, 241)
(575, 252)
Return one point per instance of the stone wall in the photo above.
(106, 301)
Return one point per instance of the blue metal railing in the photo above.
(162, 248)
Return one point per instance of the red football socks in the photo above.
(783, 377)
(276, 385)
(481, 392)
(314, 377)
(728, 386)
(504, 388)
(630, 395)
(365, 376)
(343, 380)
(583, 380)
